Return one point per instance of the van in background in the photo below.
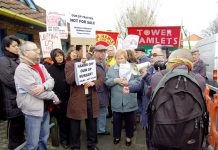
(208, 48)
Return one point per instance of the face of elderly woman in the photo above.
(120, 59)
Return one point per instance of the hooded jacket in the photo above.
(61, 88)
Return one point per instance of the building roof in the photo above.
(193, 37)
(22, 9)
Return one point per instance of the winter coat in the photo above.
(143, 88)
(25, 79)
(77, 104)
(102, 91)
(61, 88)
(200, 67)
(121, 102)
(143, 59)
(8, 104)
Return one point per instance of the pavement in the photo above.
(104, 142)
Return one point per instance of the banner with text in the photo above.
(82, 26)
(106, 38)
(49, 41)
(56, 22)
(164, 35)
(85, 72)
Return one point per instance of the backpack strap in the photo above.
(173, 73)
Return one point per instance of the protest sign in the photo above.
(49, 41)
(56, 22)
(82, 30)
(130, 42)
(85, 71)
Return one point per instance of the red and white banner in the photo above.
(106, 38)
(164, 35)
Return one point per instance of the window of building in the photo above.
(24, 36)
(29, 3)
(65, 46)
(2, 35)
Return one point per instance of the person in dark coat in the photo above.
(198, 65)
(179, 59)
(141, 57)
(62, 90)
(10, 111)
(99, 55)
(82, 106)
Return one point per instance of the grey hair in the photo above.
(26, 45)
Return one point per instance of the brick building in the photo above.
(22, 18)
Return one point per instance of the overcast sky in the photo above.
(195, 15)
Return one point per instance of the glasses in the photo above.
(155, 55)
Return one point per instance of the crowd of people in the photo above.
(31, 91)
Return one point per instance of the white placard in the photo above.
(49, 41)
(56, 22)
(82, 26)
(85, 72)
(125, 71)
(131, 42)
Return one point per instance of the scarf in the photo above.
(39, 69)
(181, 61)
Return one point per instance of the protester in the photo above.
(179, 59)
(131, 56)
(111, 49)
(71, 54)
(110, 60)
(34, 86)
(157, 54)
(89, 55)
(9, 109)
(198, 65)
(82, 106)
(99, 55)
(140, 55)
(123, 105)
(62, 89)
(47, 61)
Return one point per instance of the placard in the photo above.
(56, 22)
(130, 42)
(49, 41)
(85, 71)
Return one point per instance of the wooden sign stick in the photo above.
(84, 56)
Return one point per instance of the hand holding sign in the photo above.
(89, 84)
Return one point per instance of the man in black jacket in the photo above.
(8, 104)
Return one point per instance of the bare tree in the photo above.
(212, 29)
(141, 14)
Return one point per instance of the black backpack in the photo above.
(177, 113)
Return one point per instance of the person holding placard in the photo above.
(123, 105)
(82, 106)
